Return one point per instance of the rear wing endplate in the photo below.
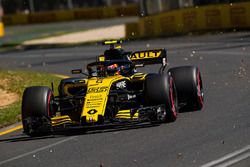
(158, 56)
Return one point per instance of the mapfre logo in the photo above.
(145, 55)
(97, 89)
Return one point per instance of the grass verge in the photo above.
(17, 81)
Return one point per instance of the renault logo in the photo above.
(91, 112)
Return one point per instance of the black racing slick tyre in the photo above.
(37, 109)
(189, 87)
(160, 89)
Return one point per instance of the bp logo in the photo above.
(91, 112)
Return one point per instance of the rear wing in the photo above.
(157, 56)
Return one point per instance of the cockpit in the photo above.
(111, 68)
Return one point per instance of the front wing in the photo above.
(124, 117)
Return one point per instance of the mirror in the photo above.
(76, 71)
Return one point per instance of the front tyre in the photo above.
(37, 109)
(189, 87)
(160, 89)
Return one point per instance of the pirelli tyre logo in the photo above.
(97, 89)
(145, 55)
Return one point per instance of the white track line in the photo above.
(233, 161)
(37, 150)
(228, 156)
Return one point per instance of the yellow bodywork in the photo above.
(138, 77)
(97, 96)
(126, 114)
(145, 55)
(96, 99)
(60, 120)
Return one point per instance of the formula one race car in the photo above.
(114, 93)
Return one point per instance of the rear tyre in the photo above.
(37, 109)
(160, 89)
(189, 87)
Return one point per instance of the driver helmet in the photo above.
(125, 69)
(113, 69)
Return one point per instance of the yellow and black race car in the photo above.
(113, 93)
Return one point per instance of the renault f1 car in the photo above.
(114, 93)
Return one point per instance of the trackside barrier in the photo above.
(132, 31)
(205, 18)
(1, 30)
(90, 13)
(42, 17)
(131, 10)
(17, 20)
(68, 15)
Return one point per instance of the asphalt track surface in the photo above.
(221, 132)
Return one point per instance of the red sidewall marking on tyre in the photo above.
(200, 98)
(49, 97)
(172, 98)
